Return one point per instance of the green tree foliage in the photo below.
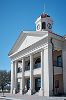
(4, 78)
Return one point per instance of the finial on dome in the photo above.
(44, 14)
(44, 9)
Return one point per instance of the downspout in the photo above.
(52, 61)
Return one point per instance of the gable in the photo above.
(29, 40)
(26, 39)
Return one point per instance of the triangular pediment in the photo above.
(25, 40)
(29, 40)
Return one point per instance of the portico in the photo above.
(34, 70)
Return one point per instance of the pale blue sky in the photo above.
(18, 15)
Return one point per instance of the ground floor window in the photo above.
(18, 87)
(28, 84)
(56, 83)
(37, 84)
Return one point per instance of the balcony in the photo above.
(19, 75)
(57, 67)
(27, 73)
(57, 70)
(37, 71)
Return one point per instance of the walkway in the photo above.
(27, 97)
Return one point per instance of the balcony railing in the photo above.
(38, 65)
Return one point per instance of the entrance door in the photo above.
(18, 87)
(37, 84)
(28, 84)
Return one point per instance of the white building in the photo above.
(38, 61)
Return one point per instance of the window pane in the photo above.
(59, 61)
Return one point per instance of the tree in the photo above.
(4, 78)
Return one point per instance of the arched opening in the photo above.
(43, 25)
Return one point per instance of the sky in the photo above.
(20, 15)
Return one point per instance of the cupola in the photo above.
(44, 23)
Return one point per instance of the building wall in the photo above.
(64, 66)
(60, 78)
(56, 54)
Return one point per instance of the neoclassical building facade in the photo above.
(38, 61)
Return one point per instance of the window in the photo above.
(56, 83)
(19, 70)
(27, 65)
(43, 25)
(18, 86)
(37, 63)
(28, 84)
(39, 82)
(38, 60)
(59, 61)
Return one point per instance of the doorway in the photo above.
(37, 84)
(28, 84)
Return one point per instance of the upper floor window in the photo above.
(43, 25)
(38, 60)
(19, 70)
(37, 63)
(27, 65)
(59, 61)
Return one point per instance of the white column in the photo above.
(31, 74)
(16, 65)
(42, 74)
(48, 71)
(15, 77)
(22, 84)
(50, 62)
(64, 69)
(12, 76)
